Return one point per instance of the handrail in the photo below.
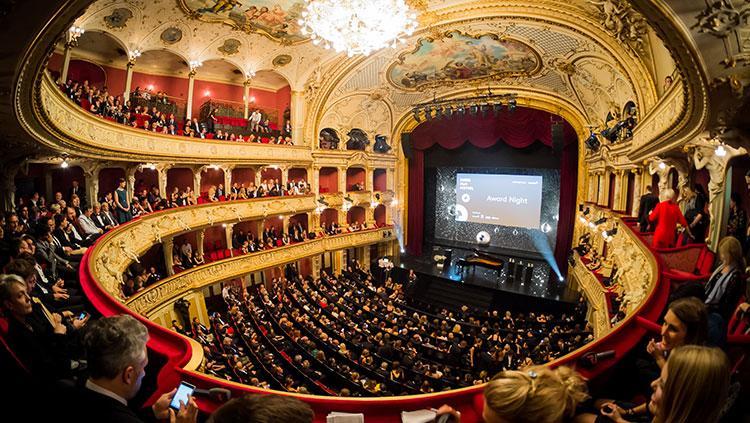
(178, 350)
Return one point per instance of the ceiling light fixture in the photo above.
(720, 151)
(357, 27)
(135, 54)
(447, 108)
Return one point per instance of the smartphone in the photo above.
(184, 391)
(82, 315)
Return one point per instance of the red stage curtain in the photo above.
(519, 129)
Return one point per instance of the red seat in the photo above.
(691, 263)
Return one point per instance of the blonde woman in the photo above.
(726, 284)
(534, 395)
(692, 387)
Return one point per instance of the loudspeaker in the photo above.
(406, 146)
(557, 137)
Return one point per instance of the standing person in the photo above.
(737, 223)
(648, 202)
(666, 215)
(122, 204)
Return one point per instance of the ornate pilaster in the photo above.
(246, 98)
(341, 179)
(191, 84)
(637, 190)
(315, 179)
(168, 247)
(704, 155)
(200, 238)
(297, 118)
(128, 80)
(91, 177)
(197, 180)
(130, 178)
(161, 174)
(228, 179)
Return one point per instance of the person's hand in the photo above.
(79, 323)
(161, 406)
(188, 413)
(612, 411)
(744, 307)
(60, 283)
(447, 409)
(60, 296)
(58, 327)
(67, 313)
(656, 349)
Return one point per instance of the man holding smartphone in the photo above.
(117, 359)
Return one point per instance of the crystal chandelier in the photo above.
(357, 26)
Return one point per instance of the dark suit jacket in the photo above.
(91, 407)
(648, 202)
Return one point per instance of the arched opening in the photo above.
(242, 177)
(108, 178)
(146, 180)
(271, 175)
(212, 177)
(379, 180)
(271, 93)
(62, 181)
(104, 62)
(356, 216)
(296, 175)
(329, 139)
(160, 80)
(179, 179)
(355, 179)
(328, 180)
(357, 139)
(379, 214)
(329, 216)
(244, 231)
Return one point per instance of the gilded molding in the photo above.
(96, 137)
(198, 277)
(122, 246)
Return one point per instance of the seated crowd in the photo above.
(350, 336)
(106, 105)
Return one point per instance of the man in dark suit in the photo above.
(117, 359)
(76, 189)
(648, 201)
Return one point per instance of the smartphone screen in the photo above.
(82, 315)
(184, 391)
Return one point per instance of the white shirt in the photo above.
(87, 225)
(106, 392)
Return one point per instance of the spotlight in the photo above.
(497, 108)
(546, 227)
(461, 110)
(473, 109)
(561, 279)
(64, 163)
(720, 151)
(512, 103)
(593, 143)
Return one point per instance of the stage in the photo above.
(532, 283)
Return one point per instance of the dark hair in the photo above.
(257, 408)
(23, 267)
(114, 343)
(120, 180)
(59, 219)
(692, 313)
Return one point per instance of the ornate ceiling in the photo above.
(588, 56)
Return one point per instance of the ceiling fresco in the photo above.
(277, 19)
(458, 57)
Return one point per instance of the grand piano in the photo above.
(481, 259)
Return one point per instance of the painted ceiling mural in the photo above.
(460, 57)
(274, 18)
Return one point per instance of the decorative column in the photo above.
(368, 179)
(703, 152)
(197, 181)
(297, 110)
(161, 174)
(191, 83)
(128, 80)
(315, 180)
(617, 201)
(390, 183)
(228, 179)
(228, 230)
(66, 60)
(8, 187)
(316, 266)
(284, 176)
(200, 238)
(258, 171)
(637, 191)
(130, 177)
(285, 224)
(91, 177)
(246, 98)
(168, 247)
(342, 180)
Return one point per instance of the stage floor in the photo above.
(541, 284)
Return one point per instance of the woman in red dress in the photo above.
(667, 215)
